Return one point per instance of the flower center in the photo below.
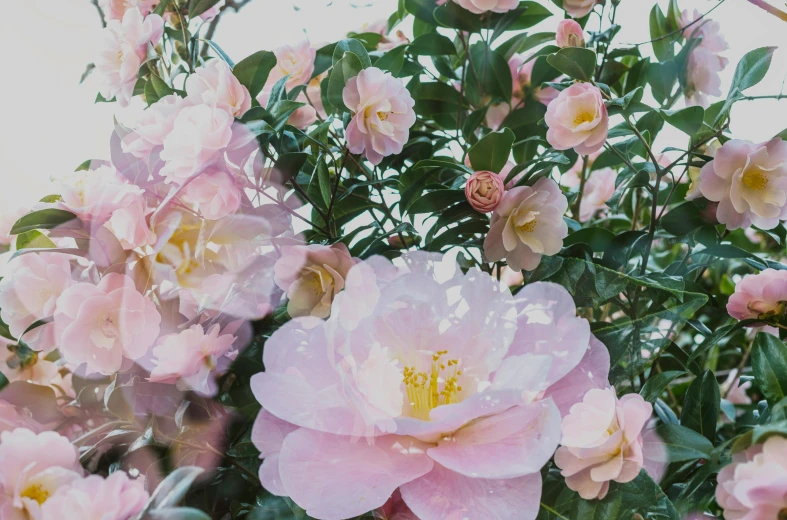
(583, 117)
(755, 179)
(36, 492)
(383, 116)
(527, 227)
(428, 391)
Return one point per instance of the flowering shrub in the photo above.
(449, 266)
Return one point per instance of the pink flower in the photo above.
(709, 149)
(11, 419)
(579, 8)
(213, 12)
(484, 6)
(115, 9)
(123, 51)
(29, 292)
(388, 40)
(749, 181)
(521, 67)
(569, 34)
(578, 119)
(599, 187)
(312, 276)
(759, 296)
(754, 485)
(41, 372)
(153, 126)
(734, 391)
(496, 114)
(115, 498)
(94, 195)
(295, 61)
(198, 136)
(191, 356)
(704, 63)
(383, 114)
(214, 84)
(457, 385)
(484, 190)
(215, 192)
(101, 324)
(9, 214)
(527, 223)
(313, 95)
(32, 468)
(602, 441)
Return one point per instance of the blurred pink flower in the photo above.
(389, 40)
(749, 181)
(123, 50)
(759, 296)
(521, 66)
(214, 84)
(153, 126)
(754, 485)
(115, 9)
(32, 468)
(602, 441)
(578, 119)
(579, 8)
(9, 214)
(199, 134)
(457, 386)
(191, 356)
(29, 292)
(484, 6)
(527, 224)
(113, 498)
(496, 114)
(211, 13)
(11, 419)
(94, 195)
(569, 34)
(295, 61)
(101, 324)
(484, 190)
(599, 187)
(383, 114)
(734, 391)
(312, 276)
(704, 62)
(313, 94)
(215, 192)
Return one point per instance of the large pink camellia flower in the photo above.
(527, 224)
(425, 379)
(101, 324)
(312, 276)
(602, 441)
(215, 192)
(383, 114)
(123, 51)
(296, 62)
(579, 8)
(29, 292)
(759, 296)
(113, 498)
(749, 181)
(153, 126)
(115, 9)
(484, 190)
(578, 119)
(215, 84)
(704, 63)
(191, 356)
(754, 485)
(484, 6)
(32, 468)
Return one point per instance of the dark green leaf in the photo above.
(422, 9)
(492, 152)
(688, 120)
(662, 47)
(682, 443)
(452, 16)
(431, 44)
(752, 68)
(769, 362)
(597, 238)
(353, 46)
(574, 62)
(34, 240)
(177, 513)
(436, 201)
(197, 7)
(657, 383)
(42, 219)
(701, 405)
(253, 71)
(156, 89)
(347, 67)
(682, 219)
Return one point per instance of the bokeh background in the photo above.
(50, 122)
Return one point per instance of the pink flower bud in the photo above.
(484, 190)
(569, 34)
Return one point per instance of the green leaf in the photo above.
(197, 7)
(392, 61)
(3, 381)
(701, 405)
(253, 71)
(42, 219)
(289, 164)
(422, 9)
(452, 16)
(436, 201)
(492, 151)
(752, 68)
(324, 180)
(34, 239)
(662, 47)
(432, 44)
(597, 238)
(688, 120)
(662, 78)
(657, 383)
(156, 89)
(682, 443)
(682, 219)
(490, 69)
(769, 363)
(177, 513)
(574, 62)
(220, 52)
(173, 488)
(161, 7)
(347, 67)
(273, 507)
(353, 46)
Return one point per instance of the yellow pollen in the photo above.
(527, 227)
(423, 390)
(383, 116)
(36, 492)
(583, 117)
(755, 179)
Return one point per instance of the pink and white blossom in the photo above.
(457, 385)
(749, 181)
(569, 34)
(123, 50)
(102, 324)
(760, 296)
(312, 276)
(11, 419)
(579, 8)
(599, 188)
(295, 61)
(485, 6)
(113, 498)
(115, 9)
(214, 84)
(733, 390)
(32, 468)
(213, 12)
(388, 39)
(602, 441)
(382, 114)
(578, 119)
(704, 62)
(484, 190)
(215, 192)
(191, 356)
(527, 224)
(153, 126)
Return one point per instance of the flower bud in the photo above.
(484, 190)
(569, 34)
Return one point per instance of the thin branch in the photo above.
(100, 12)
(778, 13)
(680, 29)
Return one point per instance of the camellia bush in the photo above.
(448, 267)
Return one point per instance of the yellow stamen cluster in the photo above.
(423, 390)
(527, 227)
(583, 117)
(36, 492)
(755, 179)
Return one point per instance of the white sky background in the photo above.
(50, 124)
